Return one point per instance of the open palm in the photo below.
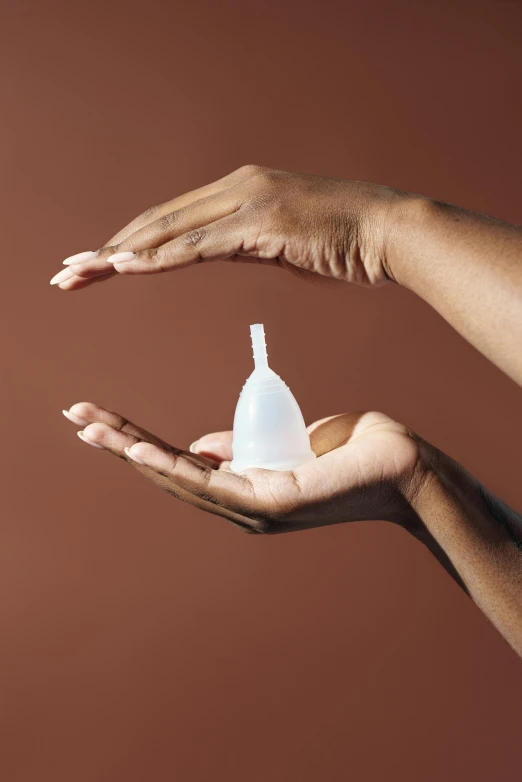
(367, 468)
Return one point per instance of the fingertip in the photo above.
(88, 441)
(84, 410)
(133, 456)
(216, 446)
(146, 453)
(96, 431)
(75, 419)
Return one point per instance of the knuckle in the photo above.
(268, 176)
(150, 257)
(195, 237)
(84, 410)
(264, 184)
(166, 222)
(150, 213)
(250, 170)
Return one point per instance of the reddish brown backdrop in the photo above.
(141, 639)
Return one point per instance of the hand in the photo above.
(310, 224)
(368, 467)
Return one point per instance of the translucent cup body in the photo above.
(269, 429)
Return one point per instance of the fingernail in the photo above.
(121, 257)
(81, 257)
(131, 456)
(89, 442)
(192, 448)
(65, 274)
(75, 418)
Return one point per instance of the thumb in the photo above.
(330, 433)
(217, 446)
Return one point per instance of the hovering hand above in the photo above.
(467, 266)
(311, 224)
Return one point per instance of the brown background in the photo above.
(141, 639)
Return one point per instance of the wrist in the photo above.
(406, 215)
(447, 502)
(422, 490)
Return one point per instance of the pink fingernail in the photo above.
(89, 442)
(131, 456)
(81, 257)
(65, 274)
(75, 418)
(192, 447)
(121, 257)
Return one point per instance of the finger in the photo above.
(156, 212)
(97, 259)
(119, 442)
(224, 490)
(222, 239)
(74, 283)
(332, 432)
(180, 221)
(159, 232)
(217, 446)
(85, 413)
(110, 431)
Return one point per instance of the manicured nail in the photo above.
(65, 274)
(75, 418)
(121, 257)
(192, 448)
(131, 456)
(89, 442)
(81, 257)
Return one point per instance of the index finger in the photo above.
(155, 226)
(156, 212)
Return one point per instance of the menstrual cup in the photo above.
(269, 429)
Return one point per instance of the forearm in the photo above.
(475, 536)
(468, 267)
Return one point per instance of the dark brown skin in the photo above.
(467, 266)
